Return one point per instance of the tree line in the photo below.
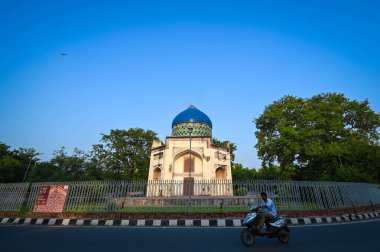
(327, 137)
(120, 155)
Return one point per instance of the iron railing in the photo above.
(205, 195)
(12, 196)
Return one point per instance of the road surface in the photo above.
(363, 236)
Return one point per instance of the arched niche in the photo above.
(220, 173)
(182, 163)
(157, 174)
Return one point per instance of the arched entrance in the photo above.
(220, 173)
(187, 169)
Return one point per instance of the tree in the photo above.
(14, 164)
(277, 135)
(70, 168)
(306, 137)
(269, 173)
(242, 173)
(4, 150)
(45, 172)
(124, 154)
(11, 170)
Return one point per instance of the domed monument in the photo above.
(189, 159)
(191, 118)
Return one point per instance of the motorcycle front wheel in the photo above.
(283, 236)
(247, 237)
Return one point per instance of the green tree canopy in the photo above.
(46, 171)
(14, 164)
(242, 173)
(70, 167)
(315, 137)
(125, 154)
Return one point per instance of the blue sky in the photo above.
(140, 63)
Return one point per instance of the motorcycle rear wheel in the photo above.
(283, 236)
(247, 237)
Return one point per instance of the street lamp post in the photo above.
(190, 131)
(27, 169)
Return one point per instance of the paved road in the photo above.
(343, 237)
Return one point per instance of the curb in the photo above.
(337, 219)
(178, 223)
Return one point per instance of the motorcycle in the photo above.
(278, 227)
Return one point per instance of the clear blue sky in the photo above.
(140, 63)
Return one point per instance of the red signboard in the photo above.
(51, 199)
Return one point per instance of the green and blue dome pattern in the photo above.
(193, 118)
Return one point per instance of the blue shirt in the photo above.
(270, 207)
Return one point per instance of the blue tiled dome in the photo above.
(192, 114)
(191, 118)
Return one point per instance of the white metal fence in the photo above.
(136, 196)
(12, 196)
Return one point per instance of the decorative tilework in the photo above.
(199, 129)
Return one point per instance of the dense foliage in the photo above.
(325, 137)
(122, 154)
(14, 163)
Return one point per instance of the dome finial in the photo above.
(192, 106)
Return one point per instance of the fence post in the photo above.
(24, 205)
(353, 206)
(373, 208)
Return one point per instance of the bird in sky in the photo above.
(64, 54)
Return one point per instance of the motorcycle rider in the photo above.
(267, 210)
